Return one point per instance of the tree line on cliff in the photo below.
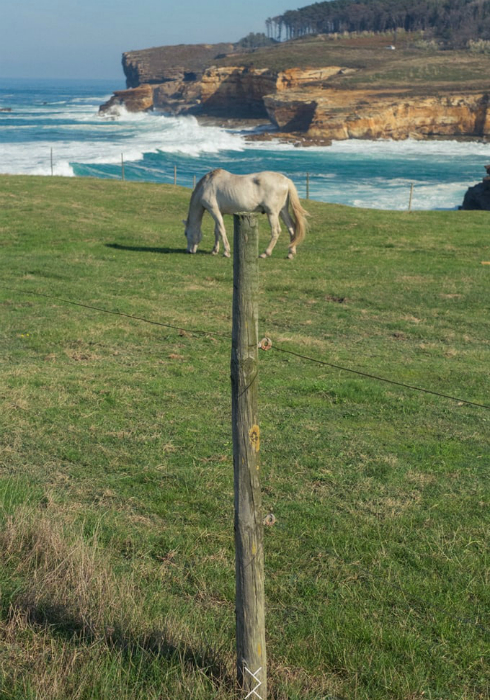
(453, 22)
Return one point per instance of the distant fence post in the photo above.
(122, 166)
(52, 168)
(175, 174)
(307, 185)
(410, 198)
(249, 546)
(194, 182)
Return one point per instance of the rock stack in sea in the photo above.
(478, 196)
(138, 99)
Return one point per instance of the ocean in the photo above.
(53, 126)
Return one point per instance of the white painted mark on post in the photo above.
(259, 683)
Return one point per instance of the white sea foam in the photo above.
(374, 174)
(132, 135)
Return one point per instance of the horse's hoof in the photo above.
(290, 256)
(263, 255)
(214, 252)
(227, 254)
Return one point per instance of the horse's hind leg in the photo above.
(275, 231)
(219, 230)
(286, 217)
(215, 250)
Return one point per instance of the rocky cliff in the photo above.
(370, 114)
(315, 102)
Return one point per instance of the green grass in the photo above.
(409, 67)
(116, 483)
(412, 67)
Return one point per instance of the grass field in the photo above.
(410, 67)
(116, 475)
(416, 67)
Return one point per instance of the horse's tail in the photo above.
(300, 214)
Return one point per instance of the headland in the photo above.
(317, 89)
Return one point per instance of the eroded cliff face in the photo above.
(170, 63)
(303, 101)
(234, 91)
(231, 91)
(364, 114)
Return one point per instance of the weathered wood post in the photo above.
(175, 174)
(52, 167)
(410, 198)
(122, 166)
(307, 185)
(249, 548)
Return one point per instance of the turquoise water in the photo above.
(61, 117)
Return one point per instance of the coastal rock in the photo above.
(364, 114)
(236, 91)
(240, 91)
(139, 99)
(478, 196)
(177, 96)
(170, 63)
(311, 103)
(230, 91)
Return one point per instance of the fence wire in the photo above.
(197, 331)
(367, 574)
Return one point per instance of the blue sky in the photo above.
(85, 38)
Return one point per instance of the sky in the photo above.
(86, 38)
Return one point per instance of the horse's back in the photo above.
(264, 192)
(264, 184)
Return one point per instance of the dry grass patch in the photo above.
(72, 612)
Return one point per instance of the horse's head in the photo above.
(193, 234)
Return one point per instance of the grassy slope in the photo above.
(408, 68)
(116, 556)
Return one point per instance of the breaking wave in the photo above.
(62, 119)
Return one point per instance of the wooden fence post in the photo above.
(410, 198)
(307, 185)
(249, 546)
(122, 166)
(52, 167)
(175, 174)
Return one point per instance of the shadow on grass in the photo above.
(66, 625)
(151, 249)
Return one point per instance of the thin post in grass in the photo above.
(175, 174)
(307, 185)
(122, 166)
(52, 167)
(249, 533)
(410, 198)
(194, 182)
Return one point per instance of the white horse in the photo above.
(220, 192)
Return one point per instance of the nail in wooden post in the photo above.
(249, 547)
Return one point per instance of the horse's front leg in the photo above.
(220, 230)
(275, 231)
